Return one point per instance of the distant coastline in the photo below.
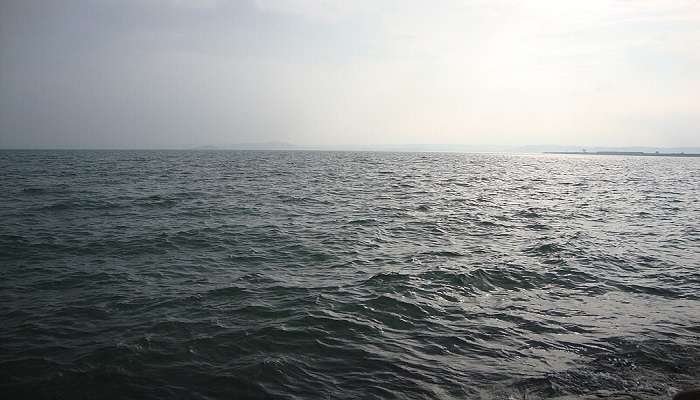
(449, 148)
(625, 153)
(465, 148)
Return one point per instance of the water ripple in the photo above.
(298, 275)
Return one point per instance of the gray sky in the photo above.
(180, 73)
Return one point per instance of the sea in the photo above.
(347, 275)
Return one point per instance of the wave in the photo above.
(298, 275)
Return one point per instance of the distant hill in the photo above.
(273, 145)
(460, 148)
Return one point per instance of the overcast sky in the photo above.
(181, 73)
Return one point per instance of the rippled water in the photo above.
(346, 275)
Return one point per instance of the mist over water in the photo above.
(345, 275)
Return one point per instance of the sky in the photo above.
(186, 73)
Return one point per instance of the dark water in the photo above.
(346, 275)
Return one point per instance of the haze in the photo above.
(183, 73)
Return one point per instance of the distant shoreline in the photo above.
(406, 149)
(624, 153)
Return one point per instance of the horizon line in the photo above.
(426, 147)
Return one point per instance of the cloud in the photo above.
(169, 72)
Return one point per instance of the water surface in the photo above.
(223, 274)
